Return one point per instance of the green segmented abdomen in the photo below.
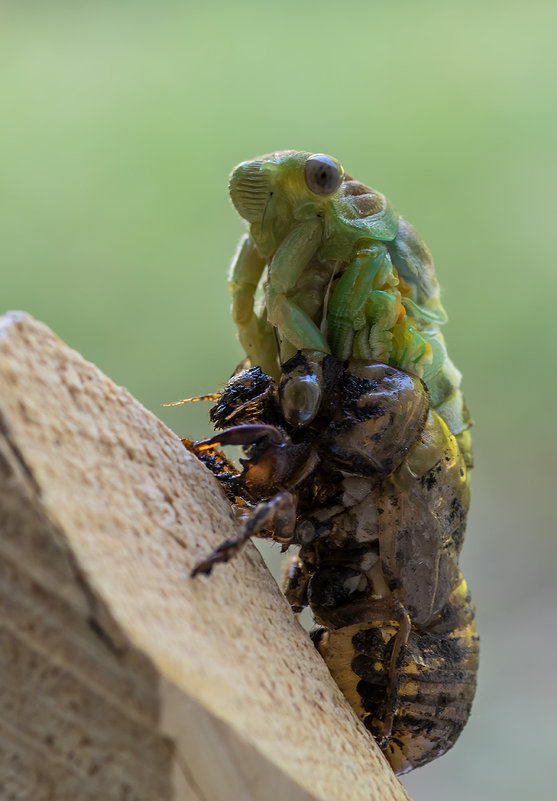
(443, 379)
(414, 265)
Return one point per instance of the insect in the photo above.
(356, 442)
(339, 271)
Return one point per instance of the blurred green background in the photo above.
(120, 122)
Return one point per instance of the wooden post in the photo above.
(123, 678)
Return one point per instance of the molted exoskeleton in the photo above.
(374, 491)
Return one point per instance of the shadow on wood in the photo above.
(122, 678)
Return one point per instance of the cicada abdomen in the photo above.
(435, 679)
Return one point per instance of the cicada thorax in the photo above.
(435, 682)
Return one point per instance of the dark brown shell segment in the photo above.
(382, 412)
(436, 685)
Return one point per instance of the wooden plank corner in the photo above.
(122, 678)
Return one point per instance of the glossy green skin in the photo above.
(334, 272)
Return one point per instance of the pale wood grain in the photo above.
(122, 678)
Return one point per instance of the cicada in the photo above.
(356, 442)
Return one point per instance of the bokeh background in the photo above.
(120, 122)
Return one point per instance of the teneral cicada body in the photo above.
(341, 272)
(373, 488)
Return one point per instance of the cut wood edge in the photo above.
(121, 673)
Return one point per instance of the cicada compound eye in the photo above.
(300, 396)
(323, 174)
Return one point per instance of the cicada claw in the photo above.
(223, 553)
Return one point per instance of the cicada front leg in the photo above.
(289, 262)
(277, 517)
(254, 332)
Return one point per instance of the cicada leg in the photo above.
(277, 515)
(382, 310)
(346, 308)
(398, 644)
(295, 581)
(254, 332)
(370, 686)
(215, 460)
(287, 266)
(242, 435)
(410, 350)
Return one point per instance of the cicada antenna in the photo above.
(213, 397)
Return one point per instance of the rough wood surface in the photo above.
(122, 678)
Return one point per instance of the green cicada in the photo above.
(356, 442)
(341, 272)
